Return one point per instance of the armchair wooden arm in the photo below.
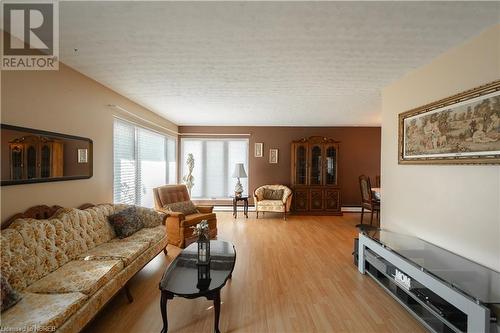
(205, 209)
(177, 215)
(288, 202)
(169, 213)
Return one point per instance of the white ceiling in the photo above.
(254, 63)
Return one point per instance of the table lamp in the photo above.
(239, 172)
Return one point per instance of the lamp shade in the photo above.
(239, 171)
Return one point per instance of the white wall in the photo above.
(68, 102)
(456, 207)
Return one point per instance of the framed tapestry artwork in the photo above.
(273, 156)
(259, 149)
(461, 129)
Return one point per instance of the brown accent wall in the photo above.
(359, 153)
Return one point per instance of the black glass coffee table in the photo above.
(181, 277)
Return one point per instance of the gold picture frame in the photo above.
(273, 156)
(461, 129)
(259, 149)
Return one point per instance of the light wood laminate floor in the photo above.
(293, 276)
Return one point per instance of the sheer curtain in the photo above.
(214, 165)
(143, 159)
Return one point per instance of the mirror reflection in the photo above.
(30, 156)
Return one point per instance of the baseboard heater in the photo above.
(443, 291)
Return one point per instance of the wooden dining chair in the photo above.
(367, 199)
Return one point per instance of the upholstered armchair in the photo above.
(273, 198)
(179, 224)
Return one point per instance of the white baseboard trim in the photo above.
(347, 209)
(351, 209)
(230, 208)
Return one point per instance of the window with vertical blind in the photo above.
(214, 162)
(142, 159)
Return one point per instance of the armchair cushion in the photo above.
(259, 192)
(126, 222)
(185, 207)
(270, 206)
(168, 194)
(270, 194)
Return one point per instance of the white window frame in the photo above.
(204, 139)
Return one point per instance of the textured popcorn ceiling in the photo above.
(254, 63)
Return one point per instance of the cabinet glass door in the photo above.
(45, 162)
(301, 165)
(331, 165)
(315, 173)
(31, 160)
(16, 164)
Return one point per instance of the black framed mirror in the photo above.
(34, 156)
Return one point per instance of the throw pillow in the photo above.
(184, 207)
(270, 194)
(9, 295)
(126, 222)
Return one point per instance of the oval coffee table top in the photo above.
(181, 276)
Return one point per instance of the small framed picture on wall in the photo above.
(273, 156)
(259, 149)
(83, 155)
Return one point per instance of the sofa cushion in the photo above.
(124, 251)
(145, 235)
(270, 194)
(85, 276)
(99, 214)
(81, 231)
(31, 249)
(150, 217)
(193, 219)
(126, 222)
(42, 310)
(9, 295)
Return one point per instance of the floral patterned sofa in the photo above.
(68, 266)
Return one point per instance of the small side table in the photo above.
(243, 198)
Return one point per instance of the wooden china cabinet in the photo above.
(315, 181)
